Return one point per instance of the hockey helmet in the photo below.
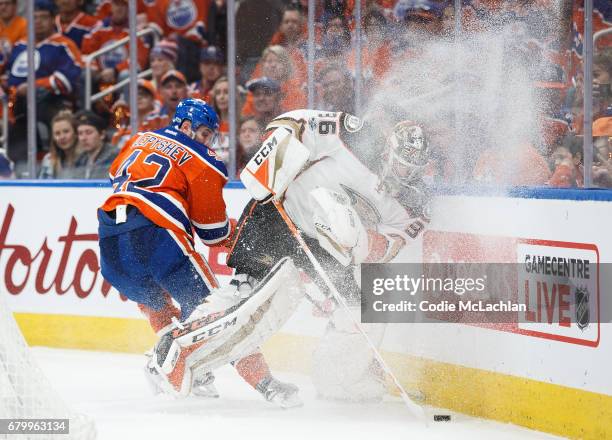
(198, 112)
(407, 154)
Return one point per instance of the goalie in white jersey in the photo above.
(357, 195)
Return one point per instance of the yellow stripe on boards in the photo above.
(86, 332)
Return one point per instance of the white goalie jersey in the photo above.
(333, 165)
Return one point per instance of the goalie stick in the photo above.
(415, 409)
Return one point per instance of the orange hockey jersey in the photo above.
(76, 30)
(175, 182)
(118, 59)
(187, 18)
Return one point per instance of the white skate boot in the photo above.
(203, 385)
(280, 393)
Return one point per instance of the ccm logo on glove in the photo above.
(264, 151)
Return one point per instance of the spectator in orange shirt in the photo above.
(12, 28)
(162, 59)
(212, 67)
(110, 65)
(266, 94)
(292, 34)
(72, 22)
(291, 31)
(276, 65)
(377, 49)
(173, 89)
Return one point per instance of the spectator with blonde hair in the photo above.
(59, 162)
(276, 65)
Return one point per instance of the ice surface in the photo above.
(111, 389)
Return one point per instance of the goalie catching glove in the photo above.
(215, 335)
(339, 228)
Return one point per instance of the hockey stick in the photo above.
(415, 409)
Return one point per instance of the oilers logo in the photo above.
(181, 14)
(20, 66)
(114, 57)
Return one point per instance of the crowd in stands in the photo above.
(74, 142)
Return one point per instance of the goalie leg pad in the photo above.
(208, 341)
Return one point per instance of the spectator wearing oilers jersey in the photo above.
(72, 22)
(110, 65)
(57, 75)
(183, 18)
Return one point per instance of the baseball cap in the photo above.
(148, 86)
(45, 5)
(212, 53)
(165, 49)
(409, 10)
(170, 74)
(263, 83)
(87, 117)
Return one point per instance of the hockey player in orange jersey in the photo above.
(167, 186)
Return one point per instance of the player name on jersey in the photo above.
(165, 146)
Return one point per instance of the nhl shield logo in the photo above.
(582, 307)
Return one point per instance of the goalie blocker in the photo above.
(208, 340)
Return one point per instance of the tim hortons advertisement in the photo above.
(49, 252)
(557, 283)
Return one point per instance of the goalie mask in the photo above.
(405, 158)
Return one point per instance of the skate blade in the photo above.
(293, 401)
(208, 392)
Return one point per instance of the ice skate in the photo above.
(284, 395)
(204, 386)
